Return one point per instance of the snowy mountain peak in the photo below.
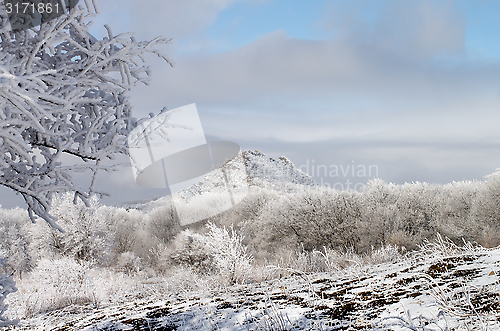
(279, 174)
(247, 169)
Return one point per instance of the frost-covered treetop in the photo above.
(64, 92)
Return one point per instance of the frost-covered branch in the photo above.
(64, 92)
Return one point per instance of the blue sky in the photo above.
(410, 86)
(244, 22)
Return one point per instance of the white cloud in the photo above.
(169, 18)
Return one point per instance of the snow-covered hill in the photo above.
(440, 287)
(249, 168)
(271, 173)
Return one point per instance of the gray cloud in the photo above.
(414, 29)
(317, 90)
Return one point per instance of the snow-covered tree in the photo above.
(63, 95)
(483, 223)
(16, 241)
(64, 92)
(89, 237)
(229, 254)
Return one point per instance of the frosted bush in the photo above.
(131, 232)
(163, 224)
(16, 240)
(125, 234)
(160, 258)
(88, 237)
(219, 251)
(483, 224)
(129, 263)
(190, 250)
(7, 286)
(310, 219)
(230, 255)
(55, 284)
(61, 283)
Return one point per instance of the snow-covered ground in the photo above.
(440, 287)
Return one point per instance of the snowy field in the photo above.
(440, 287)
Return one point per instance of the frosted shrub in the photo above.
(219, 251)
(163, 224)
(160, 258)
(309, 219)
(7, 286)
(393, 213)
(64, 283)
(191, 251)
(87, 238)
(230, 255)
(483, 225)
(16, 240)
(455, 201)
(131, 233)
(125, 232)
(55, 284)
(129, 263)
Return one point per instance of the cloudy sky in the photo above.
(412, 87)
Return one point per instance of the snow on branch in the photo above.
(65, 92)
